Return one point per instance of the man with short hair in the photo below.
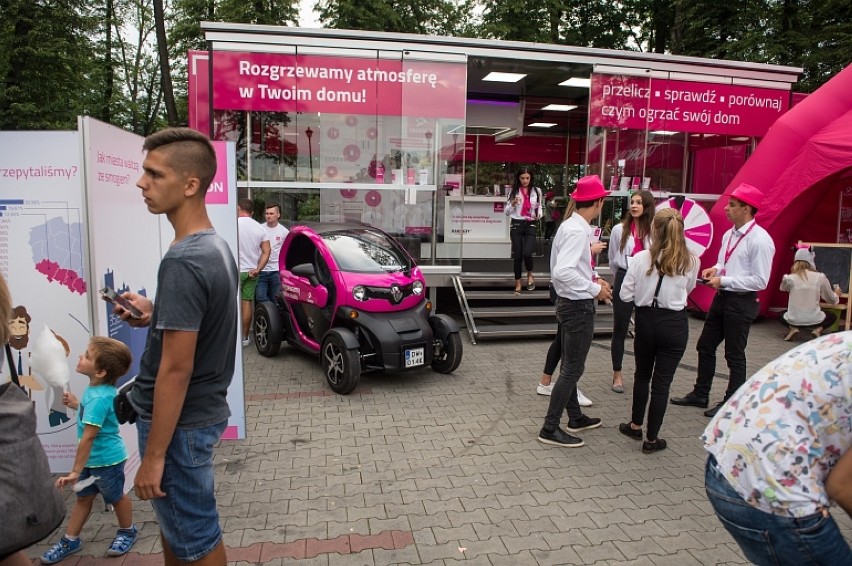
(269, 282)
(188, 362)
(742, 270)
(578, 290)
(254, 254)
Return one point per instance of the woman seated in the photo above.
(806, 286)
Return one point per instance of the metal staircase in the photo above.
(492, 310)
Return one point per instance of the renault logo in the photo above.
(396, 293)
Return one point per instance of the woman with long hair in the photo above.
(658, 282)
(807, 286)
(629, 237)
(524, 209)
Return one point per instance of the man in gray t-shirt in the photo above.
(189, 357)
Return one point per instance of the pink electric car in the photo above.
(353, 295)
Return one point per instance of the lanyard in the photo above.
(729, 251)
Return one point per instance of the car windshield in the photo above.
(365, 251)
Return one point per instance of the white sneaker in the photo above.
(246, 342)
(583, 400)
(544, 389)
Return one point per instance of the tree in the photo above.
(165, 66)
(45, 59)
(428, 17)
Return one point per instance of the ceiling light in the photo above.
(541, 125)
(740, 138)
(663, 132)
(578, 82)
(503, 77)
(560, 107)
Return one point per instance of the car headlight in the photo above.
(359, 292)
(417, 287)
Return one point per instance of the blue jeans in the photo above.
(268, 285)
(110, 482)
(766, 538)
(187, 514)
(577, 325)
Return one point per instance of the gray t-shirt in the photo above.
(196, 292)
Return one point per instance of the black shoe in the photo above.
(655, 446)
(560, 438)
(583, 423)
(712, 412)
(627, 430)
(691, 400)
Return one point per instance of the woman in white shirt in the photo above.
(658, 282)
(524, 209)
(806, 286)
(629, 237)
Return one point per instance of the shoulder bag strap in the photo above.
(657, 290)
(11, 363)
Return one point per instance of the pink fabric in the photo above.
(796, 166)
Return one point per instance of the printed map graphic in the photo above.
(57, 252)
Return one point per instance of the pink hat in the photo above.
(748, 194)
(589, 188)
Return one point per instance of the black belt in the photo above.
(521, 221)
(743, 294)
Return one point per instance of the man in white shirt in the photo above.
(578, 290)
(742, 270)
(254, 253)
(269, 282)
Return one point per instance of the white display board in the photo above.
(480, 220)
(42, 257)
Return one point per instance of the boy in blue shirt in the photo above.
(100, 453)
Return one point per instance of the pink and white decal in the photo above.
(619, 101)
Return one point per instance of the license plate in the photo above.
(414, 357)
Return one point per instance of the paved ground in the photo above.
(433, 469)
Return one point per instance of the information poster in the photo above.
(43, 259)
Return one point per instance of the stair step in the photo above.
(498, 330)
(507, 295)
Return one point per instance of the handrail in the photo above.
(468, 317)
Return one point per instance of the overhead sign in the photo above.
(344, 85)
(618, 101)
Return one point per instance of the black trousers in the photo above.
(522, 236)
(729, 319)
(830, 318)
(621, 312)
(660, 342)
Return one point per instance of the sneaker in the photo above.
(583, 423)
(246, 342)
(62, 550)
(583, 400)
(711, 412)
(124, 540)
(691, 400)
(560, 438)
(649, 447)
(544, 389)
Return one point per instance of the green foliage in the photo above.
(429, 17)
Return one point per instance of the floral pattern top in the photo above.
(781, 433)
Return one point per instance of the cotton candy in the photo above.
(48, 359)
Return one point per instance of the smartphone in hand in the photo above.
(110, 295)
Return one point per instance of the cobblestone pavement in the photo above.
(423, 468)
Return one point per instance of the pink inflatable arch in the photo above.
(802, 164)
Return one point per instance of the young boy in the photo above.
(100, 453)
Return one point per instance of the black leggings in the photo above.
(621, 312)
(522, 235)
(554, 352)
(830, 318)
(661, 337)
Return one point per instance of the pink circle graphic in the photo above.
(351, 152)
(372, 133)
(348, 193)
(333, 133)
(331, 171)
(373, 198)
(351, 121)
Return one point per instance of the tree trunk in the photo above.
(109, 71)
(165, 67)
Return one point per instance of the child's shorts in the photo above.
(110, 482)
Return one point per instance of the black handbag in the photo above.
(30, 504)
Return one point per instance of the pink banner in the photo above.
(218, 191)
(341, 85)
(619, 101)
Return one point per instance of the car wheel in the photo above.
(341, 364)
(448, 353)
(267, 323)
